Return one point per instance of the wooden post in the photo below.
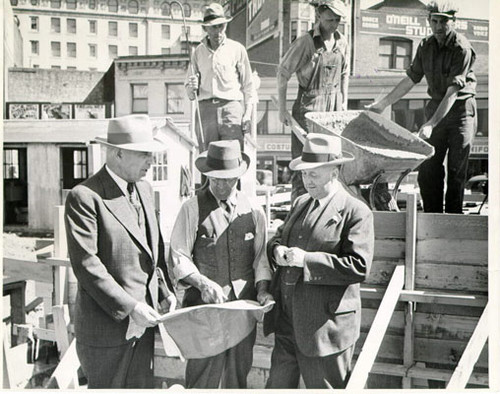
(60, 251)
(95, 162)
(410, 259)
(379, 326)
(470, 355)
(61, 321)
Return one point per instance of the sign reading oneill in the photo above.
(263, 20)
(417, 25)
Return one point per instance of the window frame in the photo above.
(160, 167)
(55, 27)
(35, 44)
(135, 100)
(94, 47)
(131, 33)
(134, 10)
(179, 99)
(166, 32)
(166, 9)
(34, 20)
(109, 51)
(393, 56)
(73, 5)
(68, 52)
(9, 163)
(112, 5)
(69, 22)
(55, 4)
(52, 45)
(92, 22)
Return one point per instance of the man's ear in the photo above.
(119, 153)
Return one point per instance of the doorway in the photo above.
(15, 184)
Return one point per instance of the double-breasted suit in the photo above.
(323, 316)
(115, 262)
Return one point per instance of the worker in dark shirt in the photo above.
(445, 59)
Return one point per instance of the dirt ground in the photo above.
(16, 246)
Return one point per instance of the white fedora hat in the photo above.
(214, 15)
(132, 132)
(320, 150)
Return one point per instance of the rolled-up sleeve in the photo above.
(246, 78)
(182, 240)
(416, 70)
(261, 265)
(463, 58)
(297, 57)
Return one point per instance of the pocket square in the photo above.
(249, 236)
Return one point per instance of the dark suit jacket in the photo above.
(326, 301)
(111, 257)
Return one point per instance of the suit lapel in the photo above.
(295, 214)
(118, 204)
(331, 215)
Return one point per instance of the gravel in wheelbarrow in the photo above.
(379, 145)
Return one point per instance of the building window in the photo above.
(132, 30)
(55, 48)
(160, 167)
(165, 51)
(55, 3)
(409, 114)
(133, 7)
(71, 49)
(132, 51)
(74, 166)
(34, 23)
(80, 164)
(55, 67)
(34, 48)
(36, 66)
(298, 28)
(11, 164)
(13, 3)
(184, 47)
(92, 4)
(55, 25)
(92, 50)
(71, 26)
(113, 5)
(71, 4)
(113, 51)
(394, 53)
(113, 29)
(139, 98)
(71, 68)
(165, 9)
(93, 27)
(482, 117)
(165, 32)
(187, 10)
(34, 3)
(175, 98)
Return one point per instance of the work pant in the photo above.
(221, 120)
(117, 367)
(229, 368)
(297, 184)
(453, 135)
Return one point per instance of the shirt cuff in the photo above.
(458, 80)
(416, 78)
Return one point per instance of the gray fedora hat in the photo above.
(214, 15)
(320, 150)
(132, 132)
(223, 159)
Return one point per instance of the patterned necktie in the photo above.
(132, 197)
(228, 209)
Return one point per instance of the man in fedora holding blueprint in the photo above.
(217, 251)
(117, 254)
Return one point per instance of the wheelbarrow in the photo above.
(384, 151)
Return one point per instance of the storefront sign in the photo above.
(479, 147)
(275, 146)
(417, 25)
(262, 20)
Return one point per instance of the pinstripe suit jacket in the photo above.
(111, 257)
(326, 301)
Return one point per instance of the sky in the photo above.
(475, 9)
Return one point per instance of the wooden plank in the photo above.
(431, 297)
(470, 355)
(427, 350)
(65, 376)
(410, 260)
(389, 248)
(444, 226)
(424, 373)
(427, 325)
(56, 261)
(377, 332)
(61, 320)
(456, 251)
(389, 224)
(381, 272)
(451, 277)
(18, 269)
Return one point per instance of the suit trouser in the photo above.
(230, 368)
(125, 366)
(288, 362)
(453, 135)
(221, 120)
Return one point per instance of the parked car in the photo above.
(476, 195)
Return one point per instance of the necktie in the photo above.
(312, 214)
(228, 211)
(132, 197)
